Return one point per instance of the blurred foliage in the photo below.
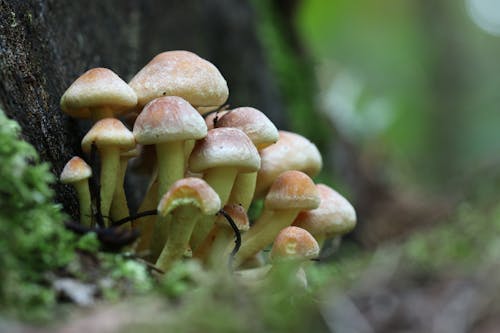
(32, 237)
(34, 244)
(413, 82)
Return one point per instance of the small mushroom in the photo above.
(97, 94)
(334, 217)
(111, 138)
(262, 132)
(291, 152)
(220, 156)
(188, 200)
(76, 172)
(167, 122)
(292, 192)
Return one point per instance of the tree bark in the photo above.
(45, 45)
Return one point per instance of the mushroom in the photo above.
(188, 200)
(183, 74)
(291, 192)
(334, 217)
(214, 250)
(291, 152)
(292, 248)
(167, 122)
(262, 132)
(111, 138)
(97, 94)
(220, 156)
(76, 172)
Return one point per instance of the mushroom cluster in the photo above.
(207, 164)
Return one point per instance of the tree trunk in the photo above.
(45, 45)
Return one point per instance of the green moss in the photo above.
(33, 240)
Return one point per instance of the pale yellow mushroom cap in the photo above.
(166, 119)
(253, 122)
(108, 132)
(184, 74)
(97, 88)
(291, 152)
(75, 170)
(334, 216)
(190, 191)
(224, 147)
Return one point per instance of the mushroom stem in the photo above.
(110, 163)
(214, 249)
(119, 207)
(180, 229)
(82, 189)
(243, 189)
(263, 232)
(221, 180)
(101, 113)
(170, 164)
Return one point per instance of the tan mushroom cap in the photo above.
(184, 74)
(75, 170)
(254, 123)
(239, 216)
(334, 216)
(292, 190)
(291, 152)
(192, 191)
(293, 243)
(98, 87)
(108, 132)
(224, 147)
(166, 119)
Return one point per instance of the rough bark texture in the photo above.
(45, 45)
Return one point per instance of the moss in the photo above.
(33, 240)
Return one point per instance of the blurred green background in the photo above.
(414, 82)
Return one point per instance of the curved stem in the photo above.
(221, 180)
(146, 224)
(180, 229)
(119, 207)
(243, 189)
(263, 232)
(110, 159)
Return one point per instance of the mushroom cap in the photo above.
(291, 152)
(168, 118)
(334, 216)
(97, 87)
(224, 147)
(75, 170)
(108, 132)
(184, 74)
(292, 190)
(190, 191)
(254, 123)
(293, 243)
(239, 216)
